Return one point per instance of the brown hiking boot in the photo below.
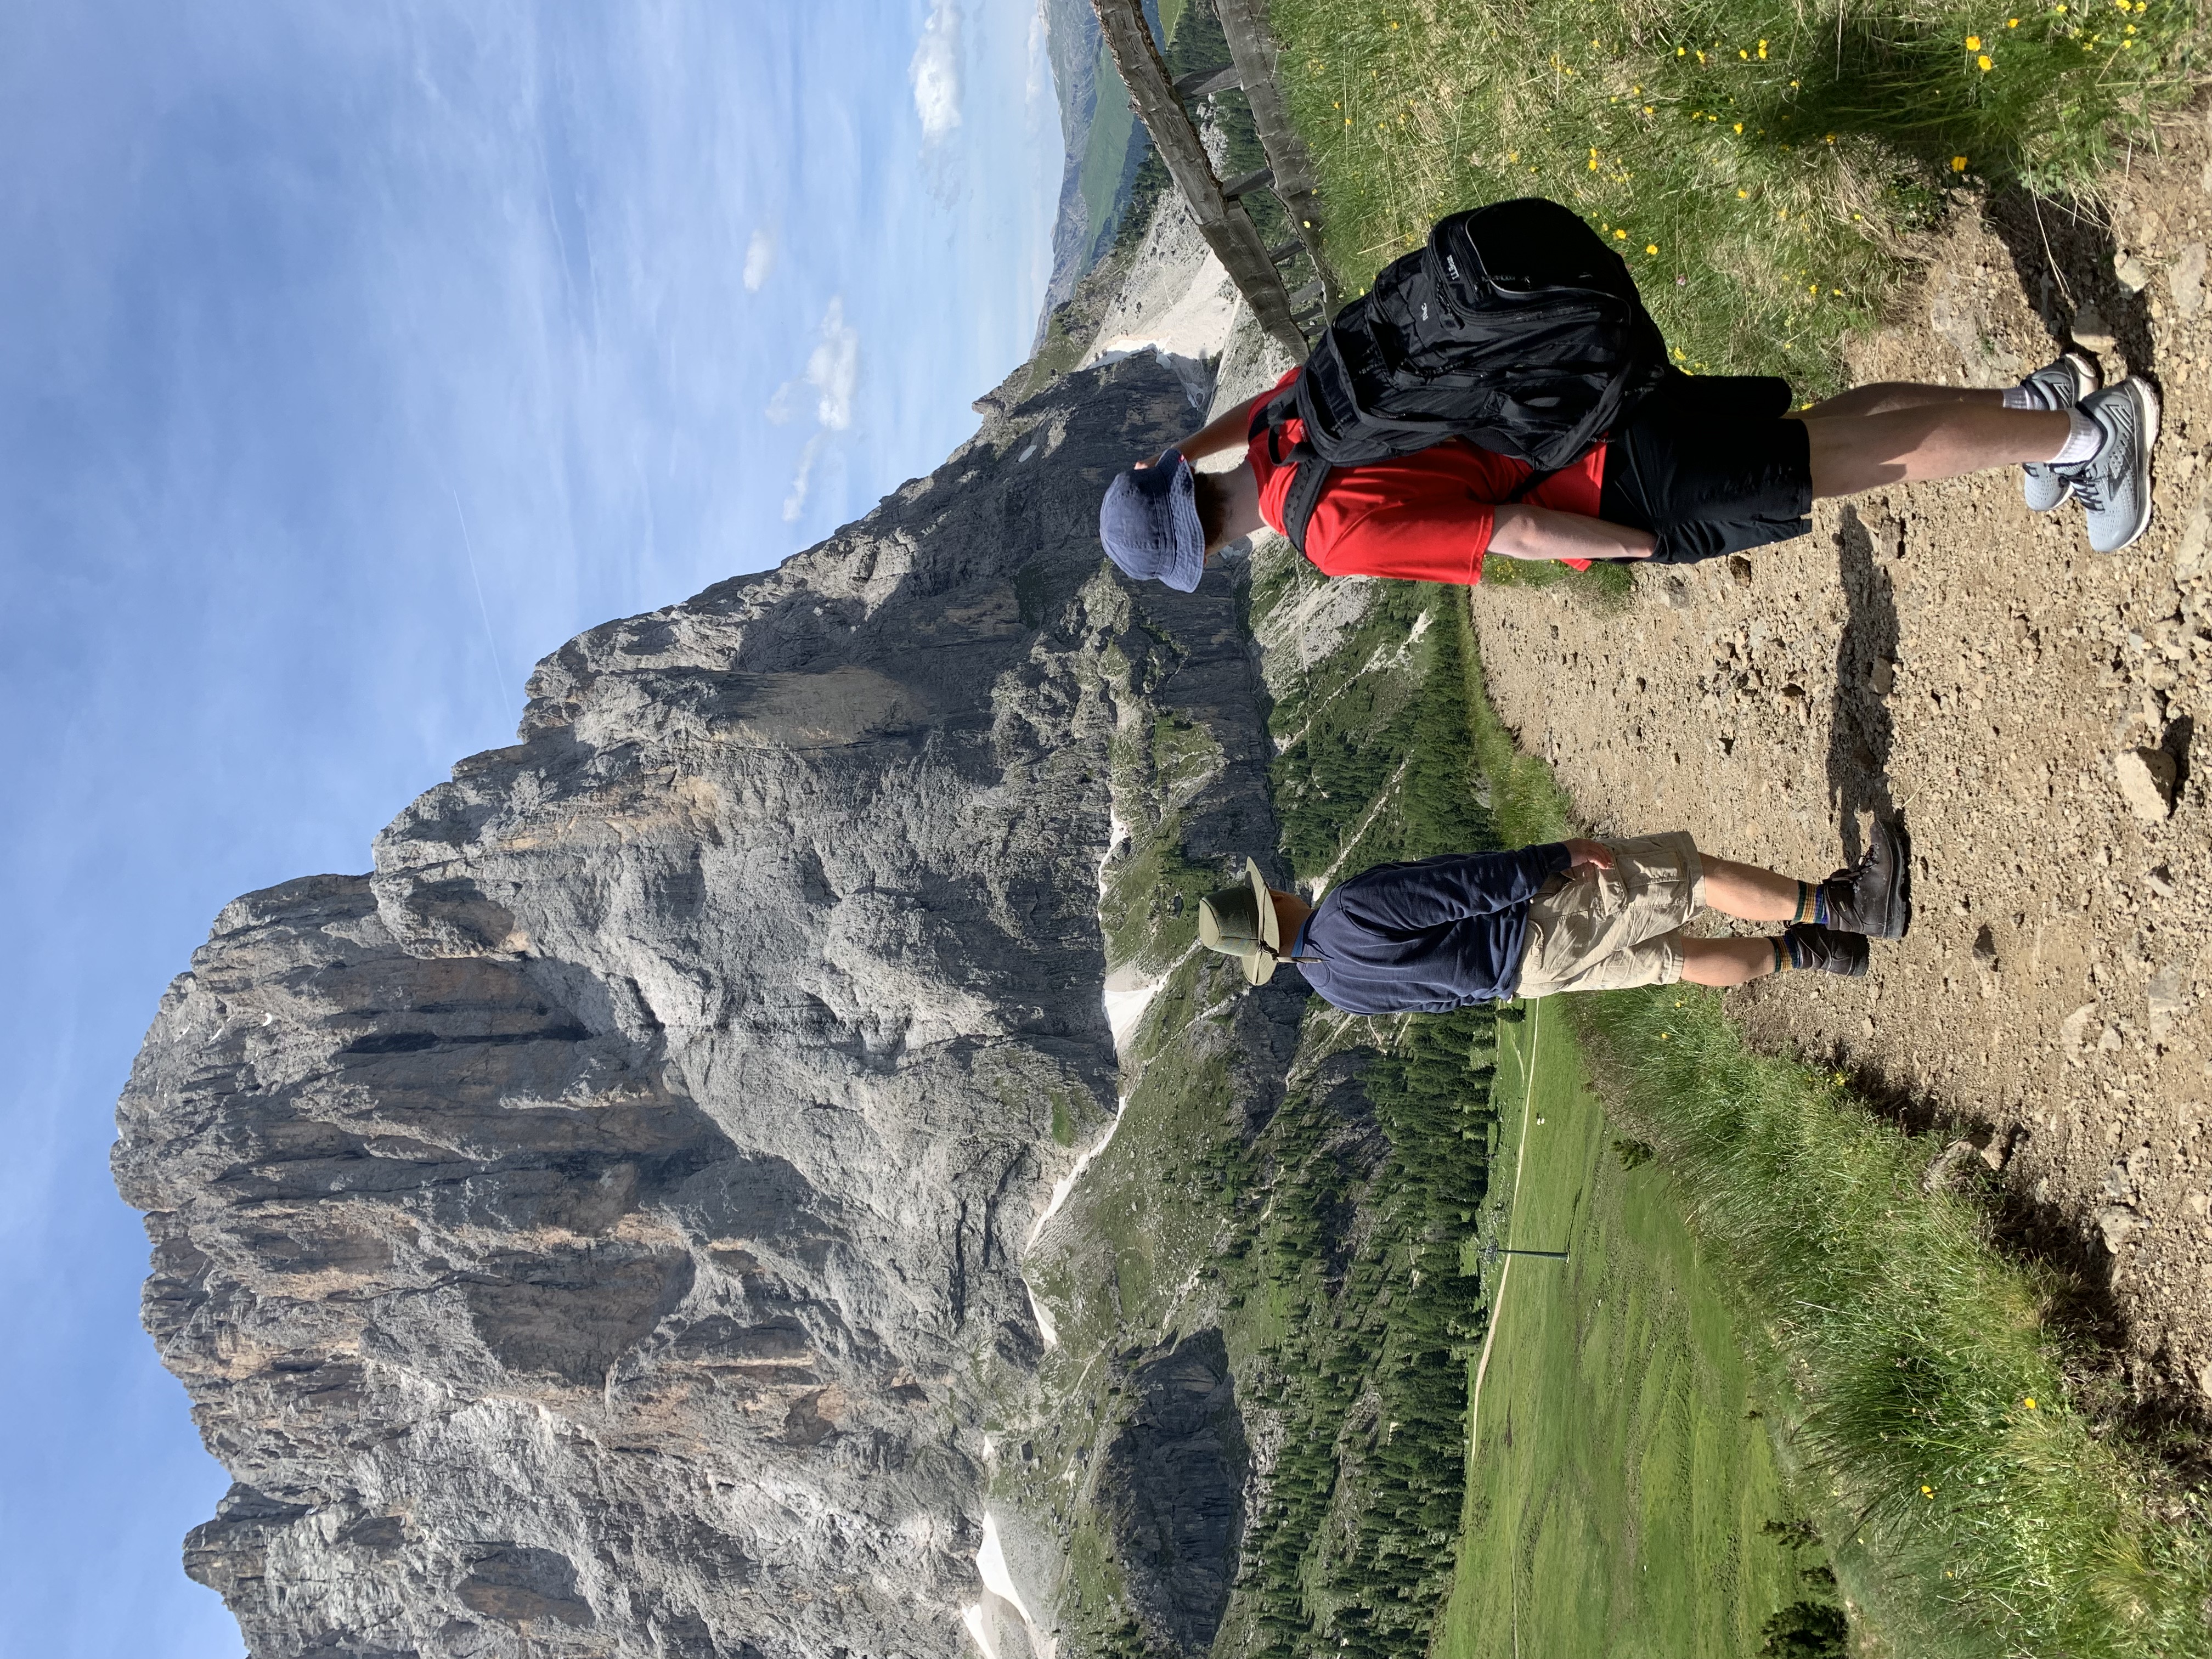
(1874, 895)
(1821, 950)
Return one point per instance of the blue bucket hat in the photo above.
(1149, 523)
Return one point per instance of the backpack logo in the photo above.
(1452, 266)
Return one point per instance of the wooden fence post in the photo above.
(1227, 227)
(1253, 49)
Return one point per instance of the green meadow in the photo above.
(1622, 1492)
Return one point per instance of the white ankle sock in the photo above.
(2084, 438)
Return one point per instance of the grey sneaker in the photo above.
(2114, 484)
(1826, 949)
(2059, 385)
(1874, 896)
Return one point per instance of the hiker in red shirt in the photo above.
(1701, 466)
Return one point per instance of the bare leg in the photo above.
(1852, 453)
(1748, 892)
(1883, 395)
(1725, 962)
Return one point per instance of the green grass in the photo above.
(1113, 126)
(1106, 147)
(1968, 1520)
(1623, 1495)
(1759, 163)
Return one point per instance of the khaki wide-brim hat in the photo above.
(1240, 922)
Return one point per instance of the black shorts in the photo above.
(1708, 462)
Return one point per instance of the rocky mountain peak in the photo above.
(597, 1231)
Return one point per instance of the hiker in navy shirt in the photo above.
(1571, 915)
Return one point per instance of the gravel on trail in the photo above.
(2031, 709)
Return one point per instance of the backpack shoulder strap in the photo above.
(1269, 415)
(1310, 474)
(1307, 482)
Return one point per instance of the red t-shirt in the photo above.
(1426, 517)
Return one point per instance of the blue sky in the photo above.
(354, 353)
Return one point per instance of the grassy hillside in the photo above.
(1756, 163)
(1623, 1495)
(1105, 174)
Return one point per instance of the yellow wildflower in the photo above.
(1831, 138)
(1746, 56)
(1620, 235)
(1743, 196)
(1651, 247)
(1762, 49)
(1928, 1492)
(2029, 1402)
(1984, 64)
(1973, 43)
(1679, 50)
(1647, 109)
(1958, 164)
(1739, 126)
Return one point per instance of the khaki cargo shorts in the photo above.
(1604, 930)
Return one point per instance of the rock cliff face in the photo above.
(596, 1232)
(1172, 1488)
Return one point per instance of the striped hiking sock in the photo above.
(1811, 904)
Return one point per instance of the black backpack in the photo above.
(1516, 328)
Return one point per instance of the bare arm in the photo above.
(1539, 532)
(1228, 432)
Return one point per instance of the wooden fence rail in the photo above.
(1252, 48)
(1222, 220)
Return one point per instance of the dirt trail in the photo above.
(1941, 650)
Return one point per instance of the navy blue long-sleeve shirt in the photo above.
(1427, 937)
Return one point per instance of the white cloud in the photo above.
(833, 367)
(935, 72)
(760, 259)
(795, 503)
(832, 375)
(1039, 89)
